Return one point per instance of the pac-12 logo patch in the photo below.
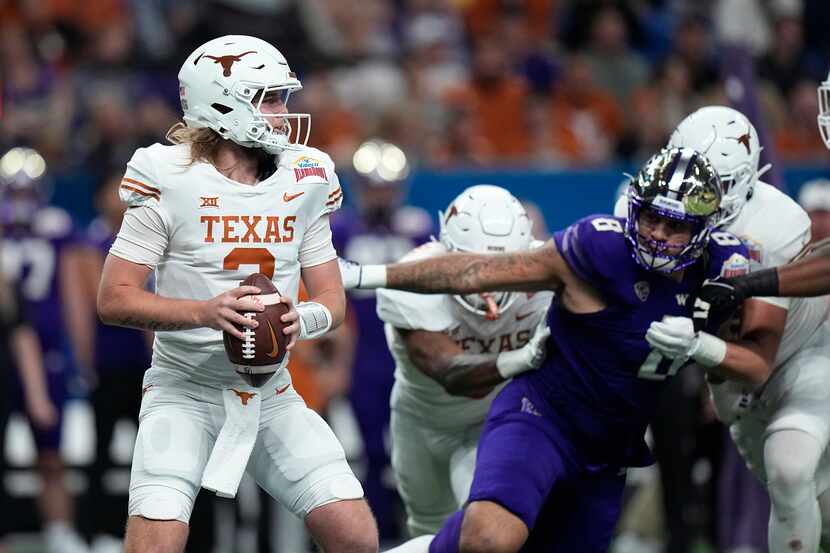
(642, 289)
(308, 167)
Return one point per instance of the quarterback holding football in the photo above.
(237, 193)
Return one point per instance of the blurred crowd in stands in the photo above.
(550, 83)
(522, 84)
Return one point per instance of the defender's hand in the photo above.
(535, 350)
(673, 337)
(350, 272)
(528, 357)
(223, 311)
(715, 303)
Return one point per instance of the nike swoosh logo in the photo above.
(274, 351)
(281, 390)
(286, 197)
(521, 316)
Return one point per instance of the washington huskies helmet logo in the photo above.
(642, 289)
(225, 61)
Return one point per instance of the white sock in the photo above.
(790, 460)
(415, 545)
(57, 529)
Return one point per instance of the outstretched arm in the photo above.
(461, 273)
(809, 276)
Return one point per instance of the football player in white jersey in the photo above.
(452, 353)
(238, 193)
(781, 429)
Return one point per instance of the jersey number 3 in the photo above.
(260, 257)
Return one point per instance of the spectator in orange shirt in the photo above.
(586, 121)
(797, 140)
(494, 99)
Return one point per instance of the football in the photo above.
(259, 355)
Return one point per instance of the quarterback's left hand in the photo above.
(292, 319)
(673, 337)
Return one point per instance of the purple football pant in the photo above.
(528, 466)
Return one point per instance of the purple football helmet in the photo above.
(678, 184)
(23, 188)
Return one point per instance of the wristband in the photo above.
(708, 351)
(762, 283)
(315, 320)
(372, 276)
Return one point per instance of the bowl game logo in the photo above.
(308, 167)
(736, 265)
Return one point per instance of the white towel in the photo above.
(236, 440)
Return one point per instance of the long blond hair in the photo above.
(203, 142)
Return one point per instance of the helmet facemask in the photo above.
(274, 132)
(485, 219)
(677, 184)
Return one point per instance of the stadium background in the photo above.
(553, 99)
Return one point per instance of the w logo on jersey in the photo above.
(681, 299)
(308, 167)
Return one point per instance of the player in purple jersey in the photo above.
(115, 359)
(382, 231)
(39, 255)
(551, 462)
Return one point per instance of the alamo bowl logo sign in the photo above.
(306, 167)
(736, 265)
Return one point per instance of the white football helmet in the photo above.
(824, 110)
(728, 139)
(485, 219)
(222, 85)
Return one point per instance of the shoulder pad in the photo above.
(141, 184)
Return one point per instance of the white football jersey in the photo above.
(416, 393)
(772, 244)
(218, 232)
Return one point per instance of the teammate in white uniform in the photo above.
(239, 193)
(451, 355)
(781, 429)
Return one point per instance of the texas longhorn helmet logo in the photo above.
(225, 61)
(744, 141)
